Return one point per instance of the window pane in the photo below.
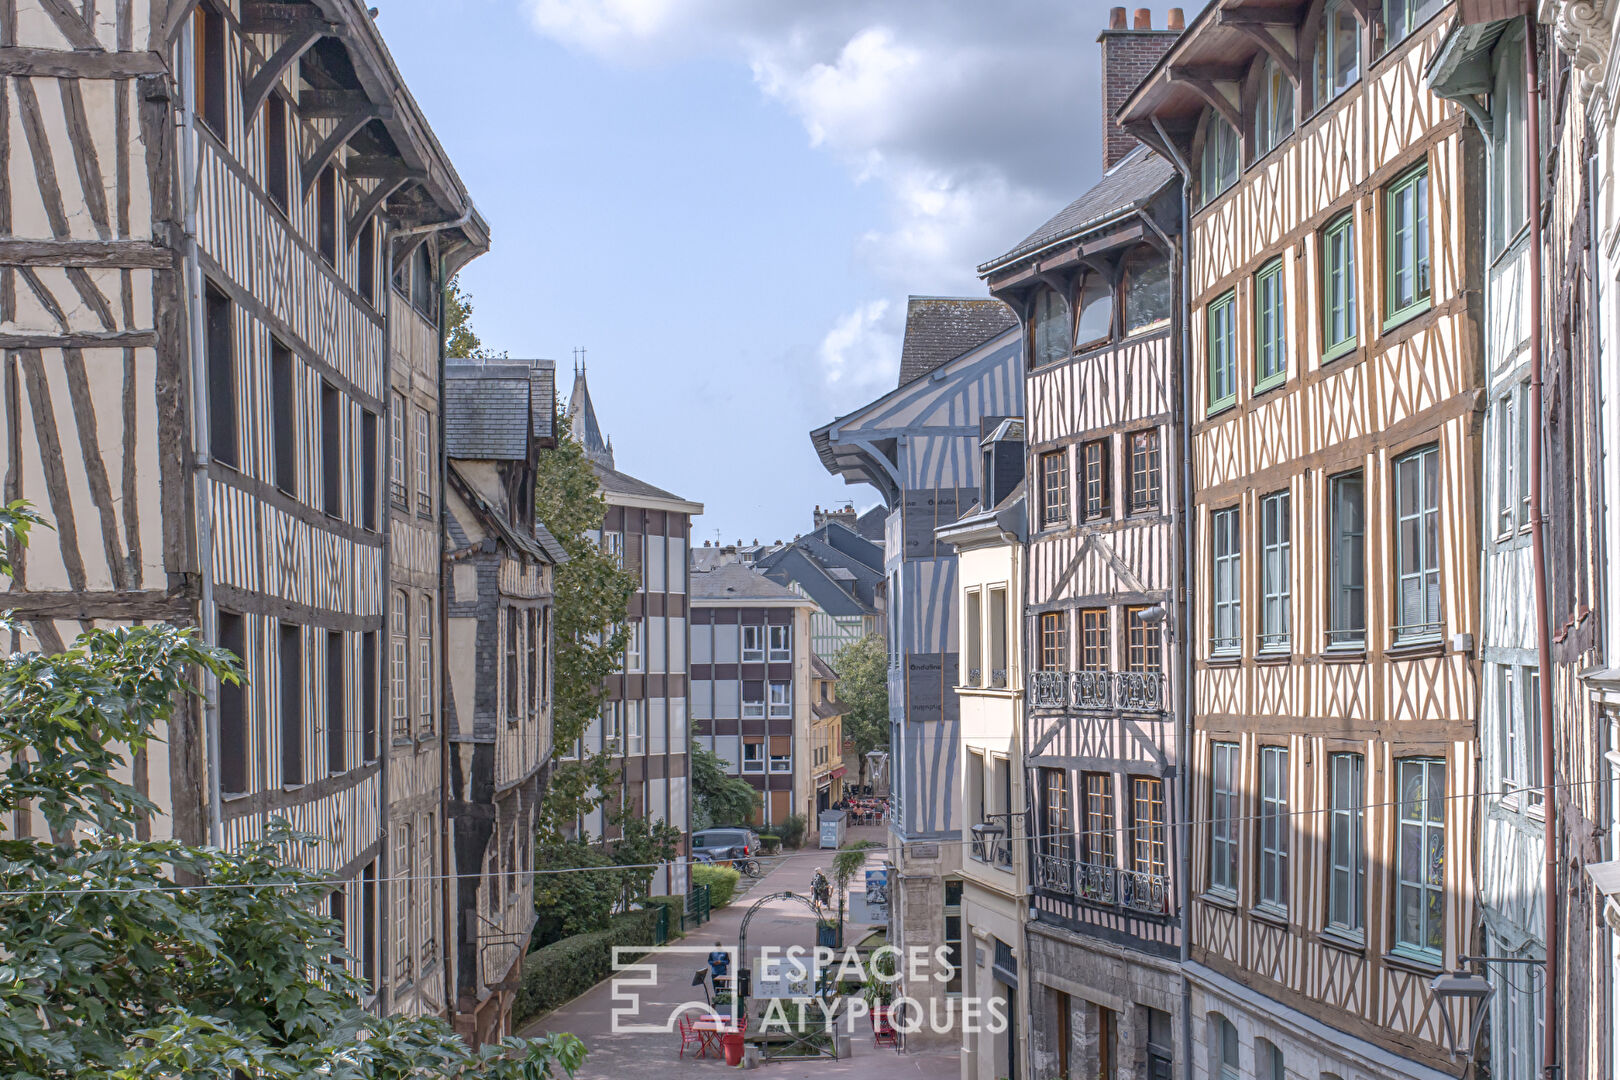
(1051, 333)
(1147, 290)
(1222, 349)
(1339, 283)
(1417, 540)
(1270, 332)
(1348, 623)
(1275, 569)
(1227, 572)
(1096, 317)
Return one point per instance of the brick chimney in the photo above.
(1128, 54)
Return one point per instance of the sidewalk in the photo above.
(780, 923)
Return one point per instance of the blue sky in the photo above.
(726, 202)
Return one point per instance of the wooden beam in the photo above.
(1265, 35)
(1205, 88)
(260, 17)
(370, 204)
(94, 254)
(179, 11)
(258, 88)
(150, 604)
(331, 104)
(342, 133)
(1283, 17)
(69, 21)
(89, 339)
(380, 167)
(57, 64)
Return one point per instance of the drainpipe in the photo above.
(207, 620)
(1184, 609)
(1538, 545)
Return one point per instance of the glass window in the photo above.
(1223, 819)
(1273, 109)
(1530, 684)
(424, 660)
(399, 663)
(1095, 322)
(1222, 349)
(972, 639)
(1149, 848)
(1097, 833)
(1406, 215)
(1220, 167)
(1347, 859)
(1521, 471)
(1338, 52)
(1147, 290)
(1055, 488)
(953, 936)
(1054, 641)
(781, 643)
(1339, 286)
(1269, 1060)
(1506, 435)
(998, 637)
(1144, 647)
(1273, 891)
(753, 643)
(1228, 582)
(1145, 471)
(1347, 596)
(1050, 335)
(1275, 534)
(1226, 1042)
(1507, 137)
(635, 645)
(1401, 17)
(1094, 639)
(1055, 820)
(781, 700)
(1508, 766)
(1420, 859)
(1417, 545)
(1270, 327)
(1095, 459)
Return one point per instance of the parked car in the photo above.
(725, 842)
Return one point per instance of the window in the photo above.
(221, 358)
(753, 643)
(424, 661)
(1270, 327)
(1144, 651)
(430, 890)
(1055, 488)
(1268, 1060)
(781, 643)
(1530, 683)
(532, 658)
(1221, 319)
(1513, 427)
(368, 695)
(781, 700)
(513, 703)
(1095, 460)
(1509, 734)
(232, 698)
(1338, 52)
(424, 282)
(1273, 109)
(635, 727)
(1406, 246)
(209, 25)
(972, 639)
(368, 470)
(1223, 815)
(404, 852)
(1401, 17)
(1145, 471)
(1056, 822)
(1274, 571)
(1220, 167)
(998, 637)
(284, 418)
(1339, 287)
(424, 465)
(331, 450)
(368, 925)
(953, 935)
(1149, 843)
(1054, 641)
(753, 756)
(781, 750)
(1049, 340)
(1417, 545)
(1094, 639)
(1273, 891)
(1227, 580)
(1097, 828)
(1147, 290)
(753, 699)
(290, 657)
(336, 688)
(1508, 208)
(326, 225)
(1420, 860)
(365, 262)
(397, 490)
(1347, 590)
(635, 646)
(1094, 322)
(277, 161)
(1347, 859)
(399, 648)
(1225, 1044)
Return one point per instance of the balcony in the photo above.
(1098, 691)
(1054, 874)
(990, 844)
(1149, 893)
(1102, 884)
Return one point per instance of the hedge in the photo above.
(677, 909)
(565, 969)
(721, 880)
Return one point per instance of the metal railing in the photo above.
(1097, 883)
(1054, 874)
(998, 678)
(1144, 892)
(973, 678)
(1102, 884)
(1098, 691)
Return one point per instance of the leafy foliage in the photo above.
(718, 798)
(565, 969)
(583, 902)
(721, 880)
(847, 862)
(461, 341)
(123, 959)
(863, 685)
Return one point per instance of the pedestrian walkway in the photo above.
(780, 923)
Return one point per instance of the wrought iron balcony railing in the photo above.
(1144, 892)
(1097, 883)
(1054, 874)
(1098, 691)
(973, 678)
(1102, 884)
(998, 678)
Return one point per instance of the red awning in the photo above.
(836, 773)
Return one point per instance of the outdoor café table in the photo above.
(710, 1028)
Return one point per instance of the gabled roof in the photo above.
(541, 545)
(941, 328)
(873, 524)
(737, 582)
(628, 488)
(492, 408)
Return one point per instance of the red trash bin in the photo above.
(732, 1042)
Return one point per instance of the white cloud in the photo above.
(862, 350)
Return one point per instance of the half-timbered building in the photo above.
(201, 208)
(498, 419)
(1333, 281)
(918, 445)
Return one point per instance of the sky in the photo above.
(727, 202)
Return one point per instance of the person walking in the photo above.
(719, 968)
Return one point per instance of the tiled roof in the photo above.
(1131, 183)
(493, 407)
(941, 328)
(615, 482)
(734, 581)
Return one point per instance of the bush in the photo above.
(565, 969)
(721, 880)
(792, 830)
(677, 909)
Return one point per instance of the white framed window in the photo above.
(635, 727)
(1417, 546)
(613, 543)
(613, 726)
(1228, 584)
(424, 464)
(1509, 768)
(781, 763)
(397, 489)
(1420, 858)
(399, 662)
(1274, 821)
(753, 757)
(1224, 1038)
(635, 646)
(953, 936)
(427, 943)
(424, 661)
(1275, 543)
(781, 643)
(972, 673)
(404, 851)
(1347, 857)
(753, 644)
(1223, 814)
(781, 700)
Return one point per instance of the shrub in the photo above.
(677, 909)
(792, 830)
(721, 880)
(565, 969)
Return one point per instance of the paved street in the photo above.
(781, 923)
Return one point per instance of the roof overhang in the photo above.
(651, 502)
(1461, 68)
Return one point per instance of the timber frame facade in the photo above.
(1334, 296)
(197, 231)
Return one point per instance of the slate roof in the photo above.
(941, 328)
(873, 524)
(1132, 183)
(734, 581)
(493, 407)
(838, 575)
(619, 483)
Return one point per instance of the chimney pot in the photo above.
(1177, 20)
(1143, 20)
(1116, 19)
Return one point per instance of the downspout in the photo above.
(1538, 546)
(384, 731)
(201, 451)
(1183, 610)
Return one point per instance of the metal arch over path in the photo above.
(742, 931)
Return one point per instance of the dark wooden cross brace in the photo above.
(299, 38)
(376, 197)
(345, 130)
(1263, 27)
(1201, 80)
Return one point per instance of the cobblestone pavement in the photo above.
(780, 923)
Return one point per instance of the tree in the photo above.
(863, 685)
(125, 959)
(718, 798)
(461, 341)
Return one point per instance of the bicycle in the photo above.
(746, 865)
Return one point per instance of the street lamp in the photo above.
(1465, 988)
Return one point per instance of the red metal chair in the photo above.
(690, 1036)
(883, 1032)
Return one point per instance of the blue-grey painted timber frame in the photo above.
(919, 446)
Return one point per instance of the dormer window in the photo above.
(1147, 290)
(1220, 166)
(1050, 336)
(1338, 52)
(1273, 109)
(1095, 321)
